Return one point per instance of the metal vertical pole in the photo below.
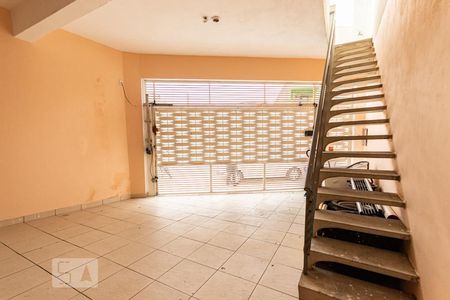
(314, 164)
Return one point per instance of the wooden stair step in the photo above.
(327, 194)
(367, 224)
(331, 125)
(360, 57)
(320, 284)
(358, 173)
(331, 139)
(339, 56)
(357, 72)
(327, 155)
(390, 263)
(350, 51)
(357, 110)
(356, 80)
(354, 43)
(356, 90)
(352, 66)
(356, 99)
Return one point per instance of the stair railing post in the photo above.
(314, 164)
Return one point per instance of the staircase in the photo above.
(351, 256)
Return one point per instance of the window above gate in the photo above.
(231, 93)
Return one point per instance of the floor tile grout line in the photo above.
(273, 211)
(228, 260)
(270, 261)
(216, 270)
(35, 264)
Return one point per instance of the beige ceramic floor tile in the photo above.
(80, 297)
(276, 225)
(107, 245)
(22, 281)
(293, 241)
(297, 229)
(49, 252)
(182, 247)
(241, 229)
(282, 278)
(122, 285)
(158, 223)
(71, 231)
(18, 232)
(263, 293)
(88, 238)
(137, 232)
(225, 287)
(247, 267)
(139, 218)
(52, 224)
(157, 239)
(159, 291)
(289, 257)
(210, 256)
(227, 216)
(201, 234)
(106, 268)
(13, 264)
(75, 253)
(179, 228)
(300, 219)
(268, 235)
(117, 227)
(129, 253)
(97, 221)
(155, 264)
(34, 243)
(258, 248)
(187, 276)
(227, 240)
(207, 212)
(175, 215)
(5, 252)
(216, 224)
(115, 213)
(47, 292)
(195, 220)
(249, 220)
(282, 217)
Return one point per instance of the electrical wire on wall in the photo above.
(149, 115)
(126, 96)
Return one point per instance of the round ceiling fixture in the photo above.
(215, 19)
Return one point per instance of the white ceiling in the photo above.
(264, 28)
(9, 4)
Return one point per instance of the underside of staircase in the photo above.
(352, 256)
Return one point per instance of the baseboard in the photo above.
(143, 195)
(64, 210)
(12, 221)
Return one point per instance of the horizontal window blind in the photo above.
(231, 93)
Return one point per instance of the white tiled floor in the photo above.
(239, 246)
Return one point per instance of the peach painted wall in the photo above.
(138, 66)
(413, 50)
(62, 123)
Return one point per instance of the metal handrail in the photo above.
(312, 177)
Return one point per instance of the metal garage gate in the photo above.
(226, 136)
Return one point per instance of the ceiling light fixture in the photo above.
(215, 19)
